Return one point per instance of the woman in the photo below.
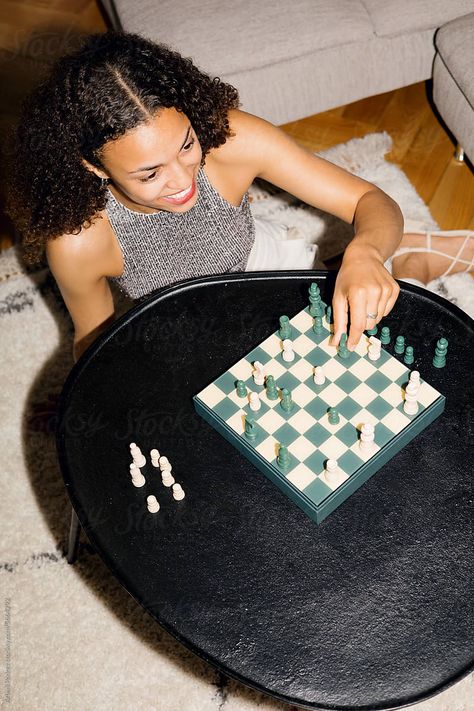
(109, 183)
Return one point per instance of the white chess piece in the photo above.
(167, 478)
(152, 504)
(155, 457)
(319, 377)
(410, 406)
(164, 464)
(332, 471)
(258, 373)
(367, 437)
(138, 458)
(255, 403)
(415, 378)
(288, 352)
(137, 477)
(375, 348)
(178, 492)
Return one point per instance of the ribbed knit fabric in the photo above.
(161, 248)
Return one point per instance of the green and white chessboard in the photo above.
(362, 391)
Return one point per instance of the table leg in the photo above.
(74, 535)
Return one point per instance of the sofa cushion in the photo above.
(455, 44)
(392, 18)
(225, 37)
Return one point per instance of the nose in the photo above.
(179, 177)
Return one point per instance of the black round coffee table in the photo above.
(372, 609)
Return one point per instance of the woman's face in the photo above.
(153, 162)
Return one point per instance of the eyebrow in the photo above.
(152, 167)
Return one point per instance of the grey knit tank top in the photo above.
(163, 247)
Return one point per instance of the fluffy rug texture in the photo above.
(72, 638)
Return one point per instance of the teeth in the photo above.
(181, 194)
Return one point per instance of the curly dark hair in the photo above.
(112, 83)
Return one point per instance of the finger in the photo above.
(339, 309)
(358, 312)
(372, 315)
(392, 298)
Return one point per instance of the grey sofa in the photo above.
(294, 59)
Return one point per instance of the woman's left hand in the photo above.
(364, 291)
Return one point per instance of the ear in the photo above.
(93, 169)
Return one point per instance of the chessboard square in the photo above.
(258, 413)
(301, 421)
(211, 395)
(268, 449)
(318, 357)
(275, 368)
(392, 368)
(226, 408)
(347, 382)
(301, 448)
(317, 434)
(350, 462)
(327, 348)
(318, 338)
(427, 394)
(335, 481)
(379, 407)
(361, 417)
(394, 394)
(363, 369)
(396, 421)
(316, 461)
(318, 490)
(317, 407)
(303, 345)
(237, 422)
(400, 408)
(332, 394)
(348, 408)
(333, 369)
(348, 434)
(303, 394)
(333, 448)
(382, 434)
(242, 370)
(363, 394)
(287, 364)
(349, 362)
(302, 370)
(258, 354)
(302, 321)
(240, 401)
(226, 382)
(288, 380)
(365, 455)
(272, 345)
(332, 429)
(271, 421)
(378, 381)
(301, 476)
(286, 434)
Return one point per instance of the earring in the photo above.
(104, 182)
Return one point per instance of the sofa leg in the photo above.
(459, 153)
(74, 534)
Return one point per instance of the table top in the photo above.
(369, 610)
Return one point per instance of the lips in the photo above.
(181, 201)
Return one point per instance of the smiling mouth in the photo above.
(182, 196)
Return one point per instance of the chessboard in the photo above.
(362, 391)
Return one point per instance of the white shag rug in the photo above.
(72, 638)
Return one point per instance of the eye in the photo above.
(149, 178)
(189, 145)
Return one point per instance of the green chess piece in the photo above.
(372, 331)
(250, 428)
(439, 360)
(385, 336)
(286, 403)
(318, 325)
(314, 300)
(329, 314)
(343, 350)
(285, 328)
(409, 358)
(399, 345)
(333, 416)
(241, 388)
(283, 458)
(271, 388)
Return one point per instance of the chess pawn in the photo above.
(255, 403)
(155, 457)
(410, 406)
(138, 458)
(374, 348)
(164, 464)
(258, 373)
(167, 478)
(367, 437)
(288, 352)
(332, 470)
(138, 479)
(178, 493)
(152, 504)
(241, 388)
(319, 377)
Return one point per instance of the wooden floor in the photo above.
(34, 32)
